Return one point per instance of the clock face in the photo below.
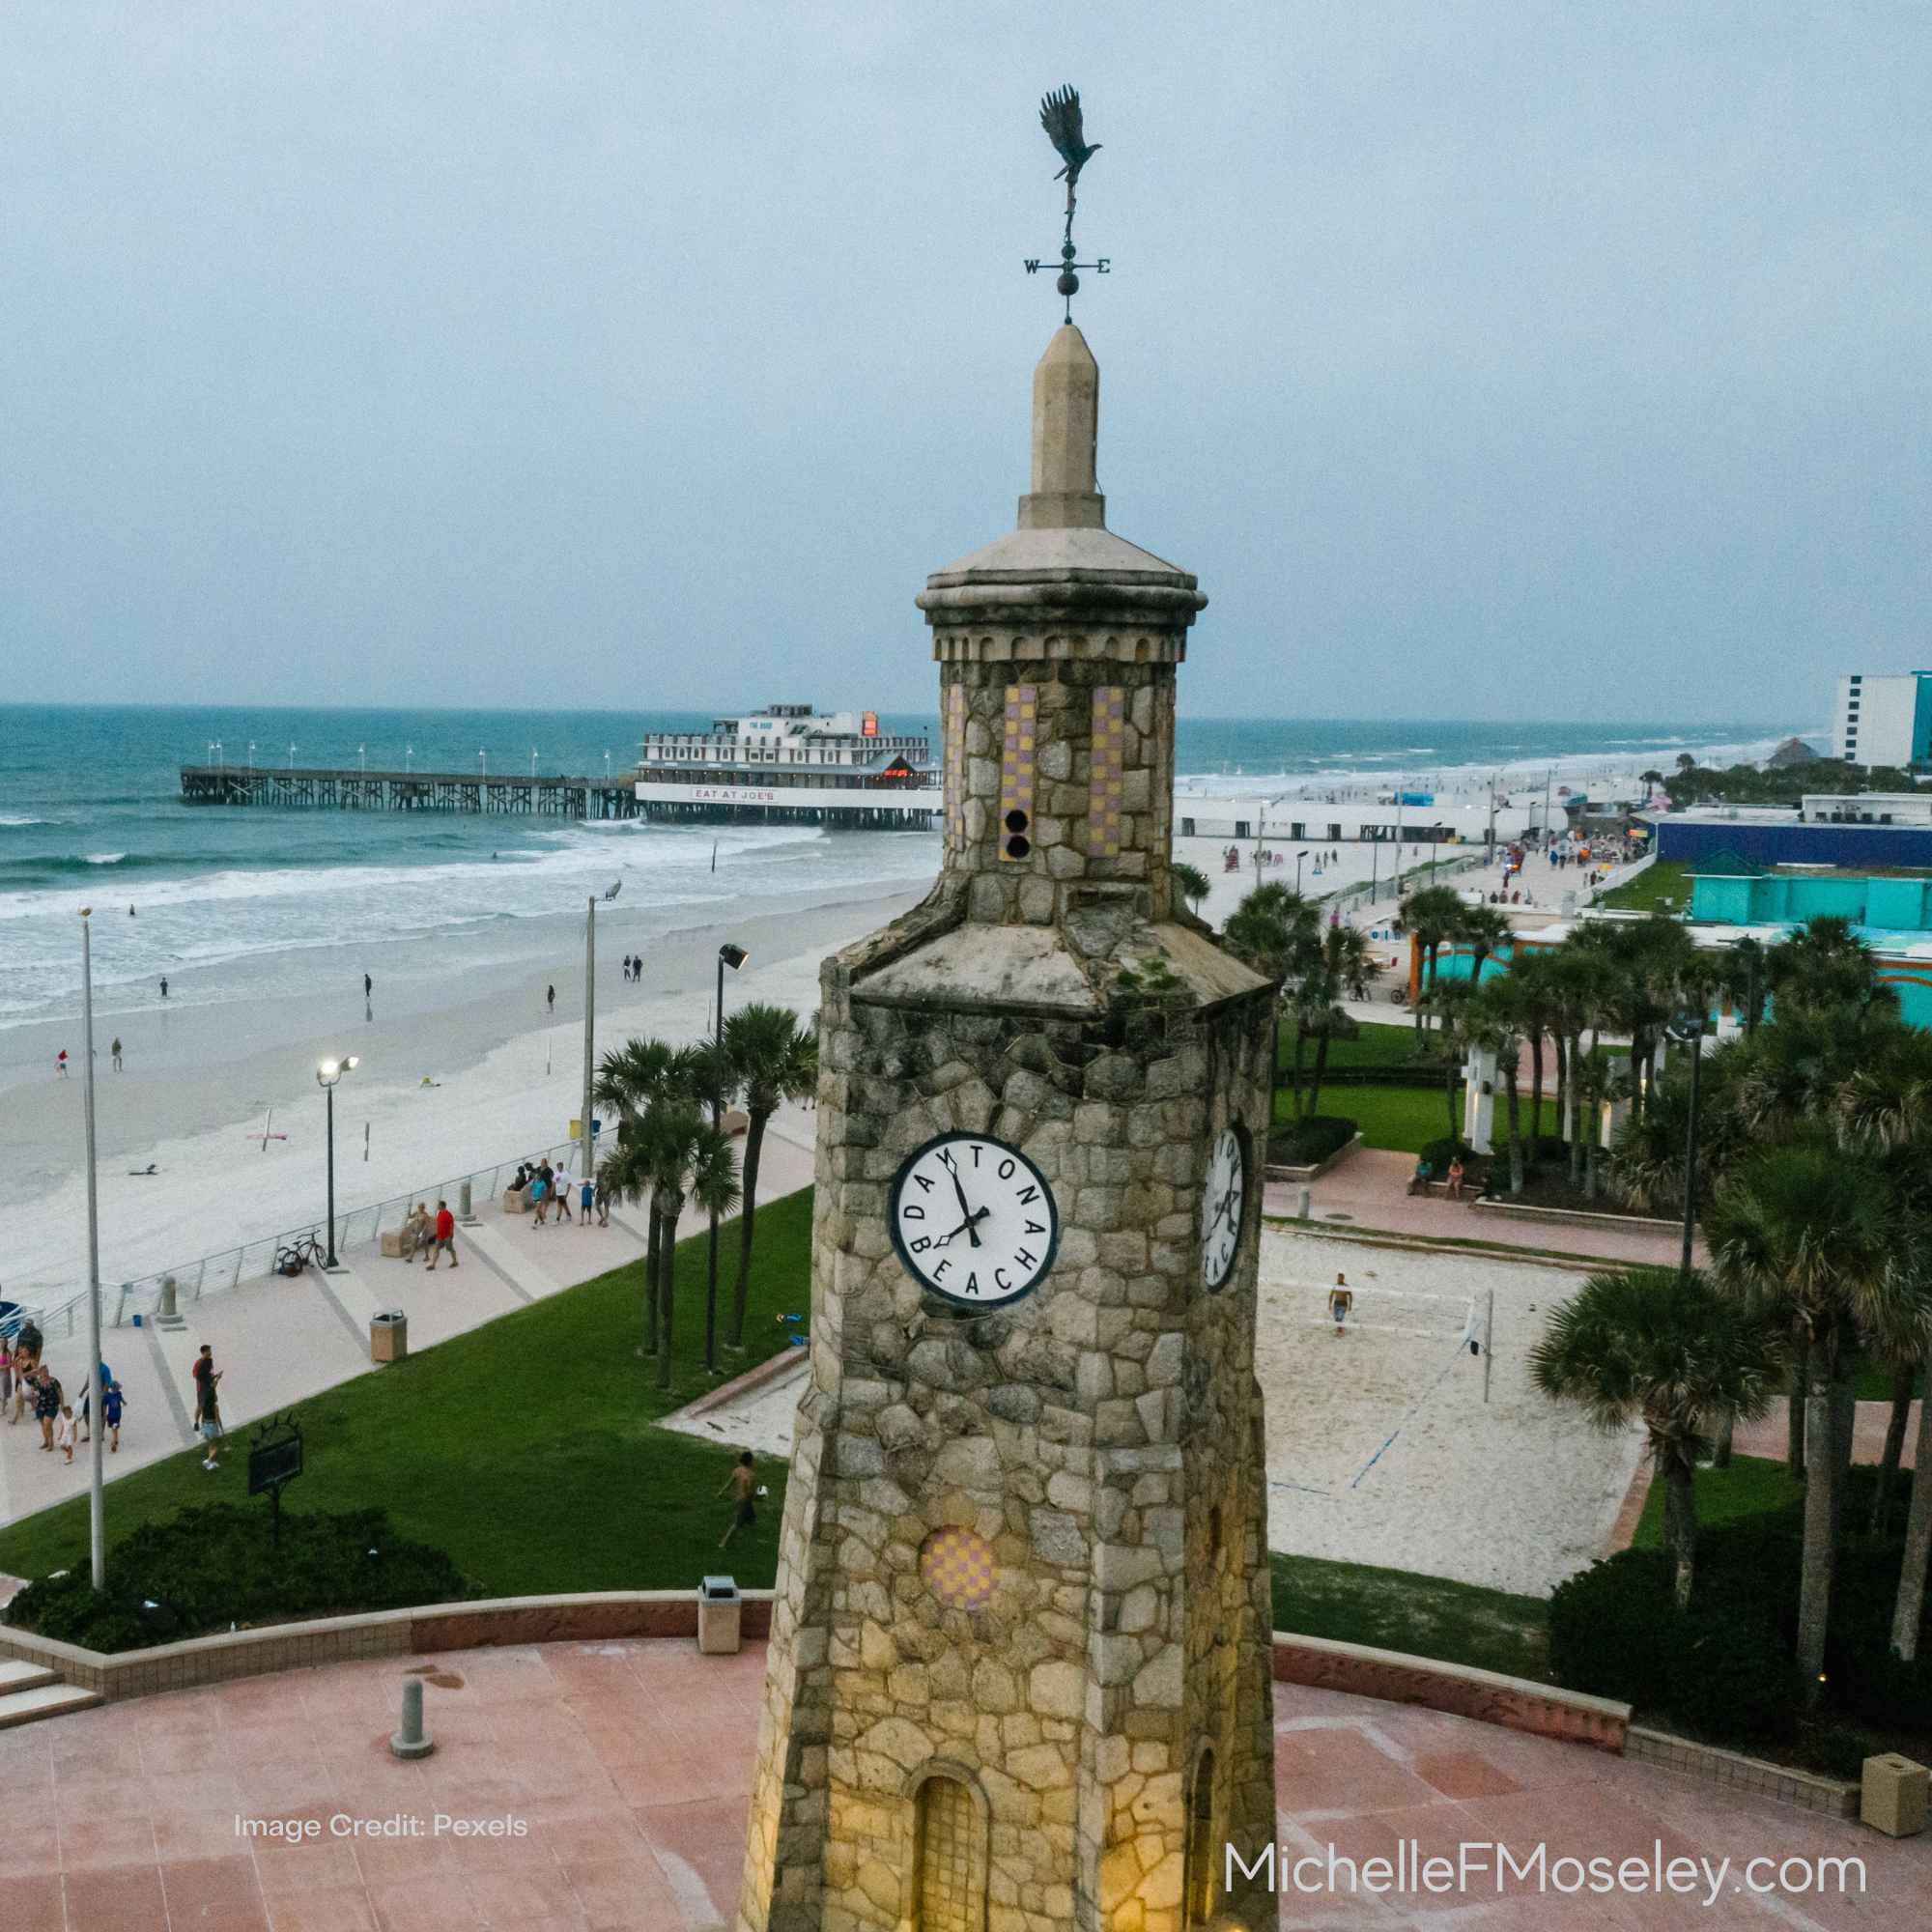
(972, 1219)
(1223, 1202)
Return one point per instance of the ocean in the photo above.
(237, 904)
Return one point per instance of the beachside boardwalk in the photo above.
(629, 1765)
(281, 1341)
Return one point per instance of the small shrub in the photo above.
(1303, 1143)
(1439, 1153)
(1722, 1668)
(214, 1566)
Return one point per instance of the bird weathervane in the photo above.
(1060, 116)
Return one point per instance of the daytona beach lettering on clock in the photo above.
(974, 1220)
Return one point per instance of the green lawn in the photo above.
(1751, 1484)
(1426, 1616)
(1405, 1118)
(1375, 1045)
(1647, 891)
(526, 1448)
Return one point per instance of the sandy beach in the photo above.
(505, 1080)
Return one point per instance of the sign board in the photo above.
(275, 1464)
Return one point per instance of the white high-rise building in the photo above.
(1885, 720)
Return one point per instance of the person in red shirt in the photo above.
(446, 1237)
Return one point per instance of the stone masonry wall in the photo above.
(1035, 889)
(1100, 1438)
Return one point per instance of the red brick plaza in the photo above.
(628, 1765)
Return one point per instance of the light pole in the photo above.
(533, 761)
(483, 763)
(1299, 857)
(251, 755)
(362, 753)
(606, 765)
(734, 957)
(291, 755)
(408, 753)
(327, 1076)
(97, 1528)
(1687, 1030)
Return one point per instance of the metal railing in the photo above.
(255, 1260)
(1363, 892)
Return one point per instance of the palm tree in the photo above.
(1815, 1233)
(686, 1157)
(1450, 1003)
(1432, 914)
(1340, 970)
(1667, 1348)
(1482, 928)
(1827, 969)
(1190, 881)
(632, 1080)
(774, 1059)
(1274, 930)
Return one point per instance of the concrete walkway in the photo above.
(626, 1769)
(1369, 1192)
(278, 1341)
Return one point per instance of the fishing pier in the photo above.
(307, 787)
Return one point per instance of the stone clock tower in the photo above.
(1019, 1670)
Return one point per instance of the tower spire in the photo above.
(1066, 493)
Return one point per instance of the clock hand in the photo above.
(965, 1227)
(972, 1234)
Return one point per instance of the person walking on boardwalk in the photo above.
(743, 1484)
(585, 1198)
(111, 1403)
(208, 1405)
(64, 1431)
(446, 1237)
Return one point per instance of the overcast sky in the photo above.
(1483, 359)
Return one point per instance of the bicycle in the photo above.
(302, 1253)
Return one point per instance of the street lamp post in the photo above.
(408, 753)
(362, 753)
(1299, 857)
(291, 755)
(734, 957)
(251, 755)
(533, 761)
(96, 1527)
(1687, 1030)
(326, 1077)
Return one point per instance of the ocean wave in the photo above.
(8, 818)
(104, 857)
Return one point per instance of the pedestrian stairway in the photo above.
(30, 1691)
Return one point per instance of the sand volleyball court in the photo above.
(1381, 1448)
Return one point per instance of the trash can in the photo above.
(389, 1336)
(719, 1611)
(1892, 1796)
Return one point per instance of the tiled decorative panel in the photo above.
(1017, 763)
(957, 1566)
(1107, 763)
(955, 764)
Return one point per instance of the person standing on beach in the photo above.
(743, 1480)
(368, 986)
(550, 1000)
(446, 1237)
(60, 1062)
(164, 986)
(115, 1050)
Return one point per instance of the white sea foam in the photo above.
(105, 858)
(11, 818)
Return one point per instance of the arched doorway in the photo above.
(1200, 1874)
(949, 1855)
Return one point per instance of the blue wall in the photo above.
(1679, 840)
(1785, 899)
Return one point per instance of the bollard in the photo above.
(411, 1741)
(168, 1311)
(463, 1212)
(1301, 1203)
